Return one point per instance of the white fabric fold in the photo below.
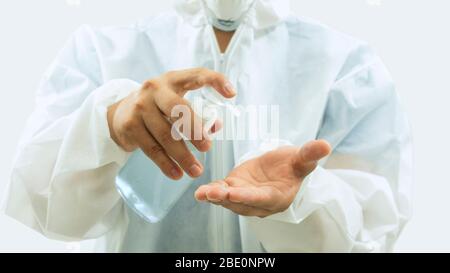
(327, 86)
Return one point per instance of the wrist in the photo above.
(110, 118)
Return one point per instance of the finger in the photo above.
(217, 126)
(156, 153)
(160, 129)
(263, 197)
(181, 113)
(195, 78)
(245, 210)
(306, 158)
(216, 191)
(200, 193)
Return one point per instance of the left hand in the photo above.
(266, 184)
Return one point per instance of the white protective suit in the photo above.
(328, 85)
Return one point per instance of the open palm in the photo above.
(266, 184)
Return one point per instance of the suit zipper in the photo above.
(221, 66)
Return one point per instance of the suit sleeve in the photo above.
(63, 176)
(359, 198)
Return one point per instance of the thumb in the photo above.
(305, 160)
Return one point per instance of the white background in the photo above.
(411, 36)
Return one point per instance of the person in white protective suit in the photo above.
(97, 159)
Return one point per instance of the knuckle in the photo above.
(198, 81)
(140, 105)
(129, 147)
(201, 70)
(165, 136)
(169, 76)
(125, 142)
(130, 125)
(164, 164)
(150, 85)
(218, 77)
(186, 159)
(155, 151)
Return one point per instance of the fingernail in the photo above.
(205, 145)
(175, 172)
(195, 170)
(230, 89)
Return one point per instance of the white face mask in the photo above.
(227, 14)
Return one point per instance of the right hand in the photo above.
(141, 120)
